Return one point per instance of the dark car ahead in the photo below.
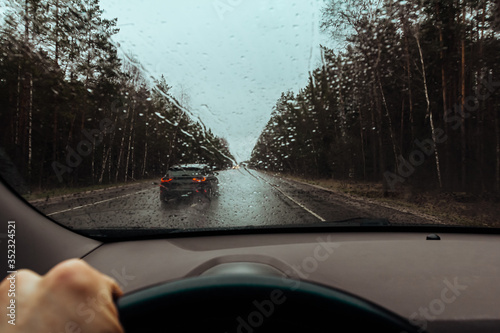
(188, 180)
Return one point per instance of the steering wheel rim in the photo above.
(250, 304)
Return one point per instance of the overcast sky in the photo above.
(233, 58)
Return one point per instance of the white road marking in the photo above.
(96, 203)
(299, 204)
(292, 199)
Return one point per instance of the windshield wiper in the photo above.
(138, 233)
(118, 233)
(357, 221)
(354, 222)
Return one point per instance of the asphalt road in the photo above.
(247, 197)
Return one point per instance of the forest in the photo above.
(411, 99)
(73, 113)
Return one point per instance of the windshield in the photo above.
(188, 115)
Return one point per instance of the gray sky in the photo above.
(233, 58)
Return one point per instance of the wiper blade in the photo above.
(357, 221)
(124, 232)
(368, 222)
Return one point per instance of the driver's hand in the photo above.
(71, 297)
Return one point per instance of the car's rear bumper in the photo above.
(167, 193)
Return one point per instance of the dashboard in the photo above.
(450, 284)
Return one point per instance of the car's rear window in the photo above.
(186, 172)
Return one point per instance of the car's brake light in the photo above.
(164, 180)
(199, 180)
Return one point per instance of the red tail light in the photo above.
(199, 180)
(164, 180)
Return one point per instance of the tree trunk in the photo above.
(56, 102)
(374, 139)
(120, 154)
(57, 22)
(429, 111)
(389, 122)
(362, 141)
(132, 155)
(402, 125)
(18, 107)
(108, 153)
(92, 166)
(481, 129)
(145, 154)
(497, 134)
(55, 131)
(30, 125)
(443, 90)
(131, 131)
(463, 139)
(382, 161)
(406, 30)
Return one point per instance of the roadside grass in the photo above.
(65, 191)
(455, 208)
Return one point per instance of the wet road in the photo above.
(247, 197)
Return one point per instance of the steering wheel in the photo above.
(247, 304)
